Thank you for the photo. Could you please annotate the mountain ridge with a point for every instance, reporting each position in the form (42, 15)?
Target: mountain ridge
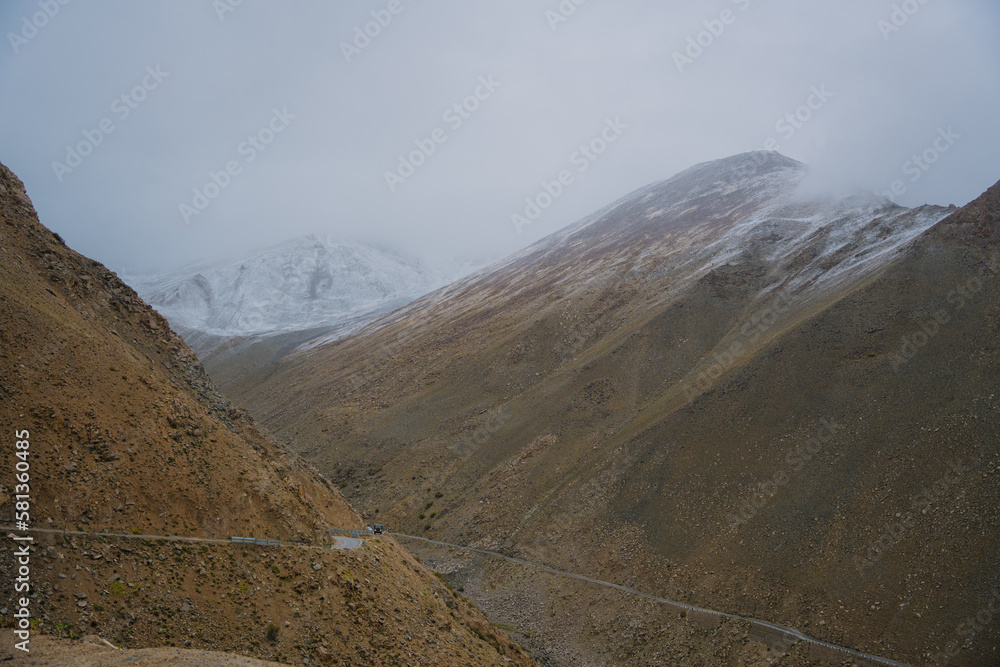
(129, 436)
(546, 399)
(894, 225)
(310, 282)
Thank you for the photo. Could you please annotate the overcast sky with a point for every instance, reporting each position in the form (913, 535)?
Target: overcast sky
(114, 112)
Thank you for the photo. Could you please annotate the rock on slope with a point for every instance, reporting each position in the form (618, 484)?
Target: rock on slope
(713, 390)
(128, 435)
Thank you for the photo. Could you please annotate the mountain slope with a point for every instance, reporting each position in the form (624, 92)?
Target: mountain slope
(128, 435)
(707, 374)
(300, 284)
(309, 283)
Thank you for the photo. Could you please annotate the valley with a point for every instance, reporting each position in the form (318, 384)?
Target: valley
(695, 392)
(141, 473)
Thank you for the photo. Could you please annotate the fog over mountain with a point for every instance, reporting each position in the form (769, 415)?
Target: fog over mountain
(299, 284)
(719, 389)
(570, 333)
(272, 121)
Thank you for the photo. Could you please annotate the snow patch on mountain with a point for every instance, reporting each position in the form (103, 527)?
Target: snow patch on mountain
(748, 208)
(300, 284)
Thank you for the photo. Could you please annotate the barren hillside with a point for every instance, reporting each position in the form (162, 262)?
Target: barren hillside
(129, 436)
(714, 391)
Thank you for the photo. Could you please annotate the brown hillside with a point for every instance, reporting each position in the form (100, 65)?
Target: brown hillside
(755, 436)
(128, 435)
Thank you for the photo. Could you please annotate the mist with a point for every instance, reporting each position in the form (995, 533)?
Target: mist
(154, 135)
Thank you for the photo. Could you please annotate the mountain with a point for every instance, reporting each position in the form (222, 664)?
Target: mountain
(716, 390)
(138, 473)
(303, 284)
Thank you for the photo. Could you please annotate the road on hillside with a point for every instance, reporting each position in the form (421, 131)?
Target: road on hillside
(787, 632)
(354, 543)
(348, 542)
(338, 542)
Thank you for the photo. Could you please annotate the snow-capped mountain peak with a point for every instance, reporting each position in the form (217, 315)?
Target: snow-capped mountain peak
(302, 283)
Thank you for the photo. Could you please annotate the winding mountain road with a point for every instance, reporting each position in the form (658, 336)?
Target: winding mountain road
(788, 634)
(339, 542)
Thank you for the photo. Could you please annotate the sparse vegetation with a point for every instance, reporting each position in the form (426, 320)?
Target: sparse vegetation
(64, 629)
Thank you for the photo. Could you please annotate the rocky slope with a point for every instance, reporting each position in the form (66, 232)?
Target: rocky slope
(713, 390)
(128, 435)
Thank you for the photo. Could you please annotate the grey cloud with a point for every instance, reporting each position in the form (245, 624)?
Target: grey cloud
(325, 172)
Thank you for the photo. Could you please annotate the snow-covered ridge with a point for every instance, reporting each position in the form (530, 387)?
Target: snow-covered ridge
(746, 209)
(300, 284)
